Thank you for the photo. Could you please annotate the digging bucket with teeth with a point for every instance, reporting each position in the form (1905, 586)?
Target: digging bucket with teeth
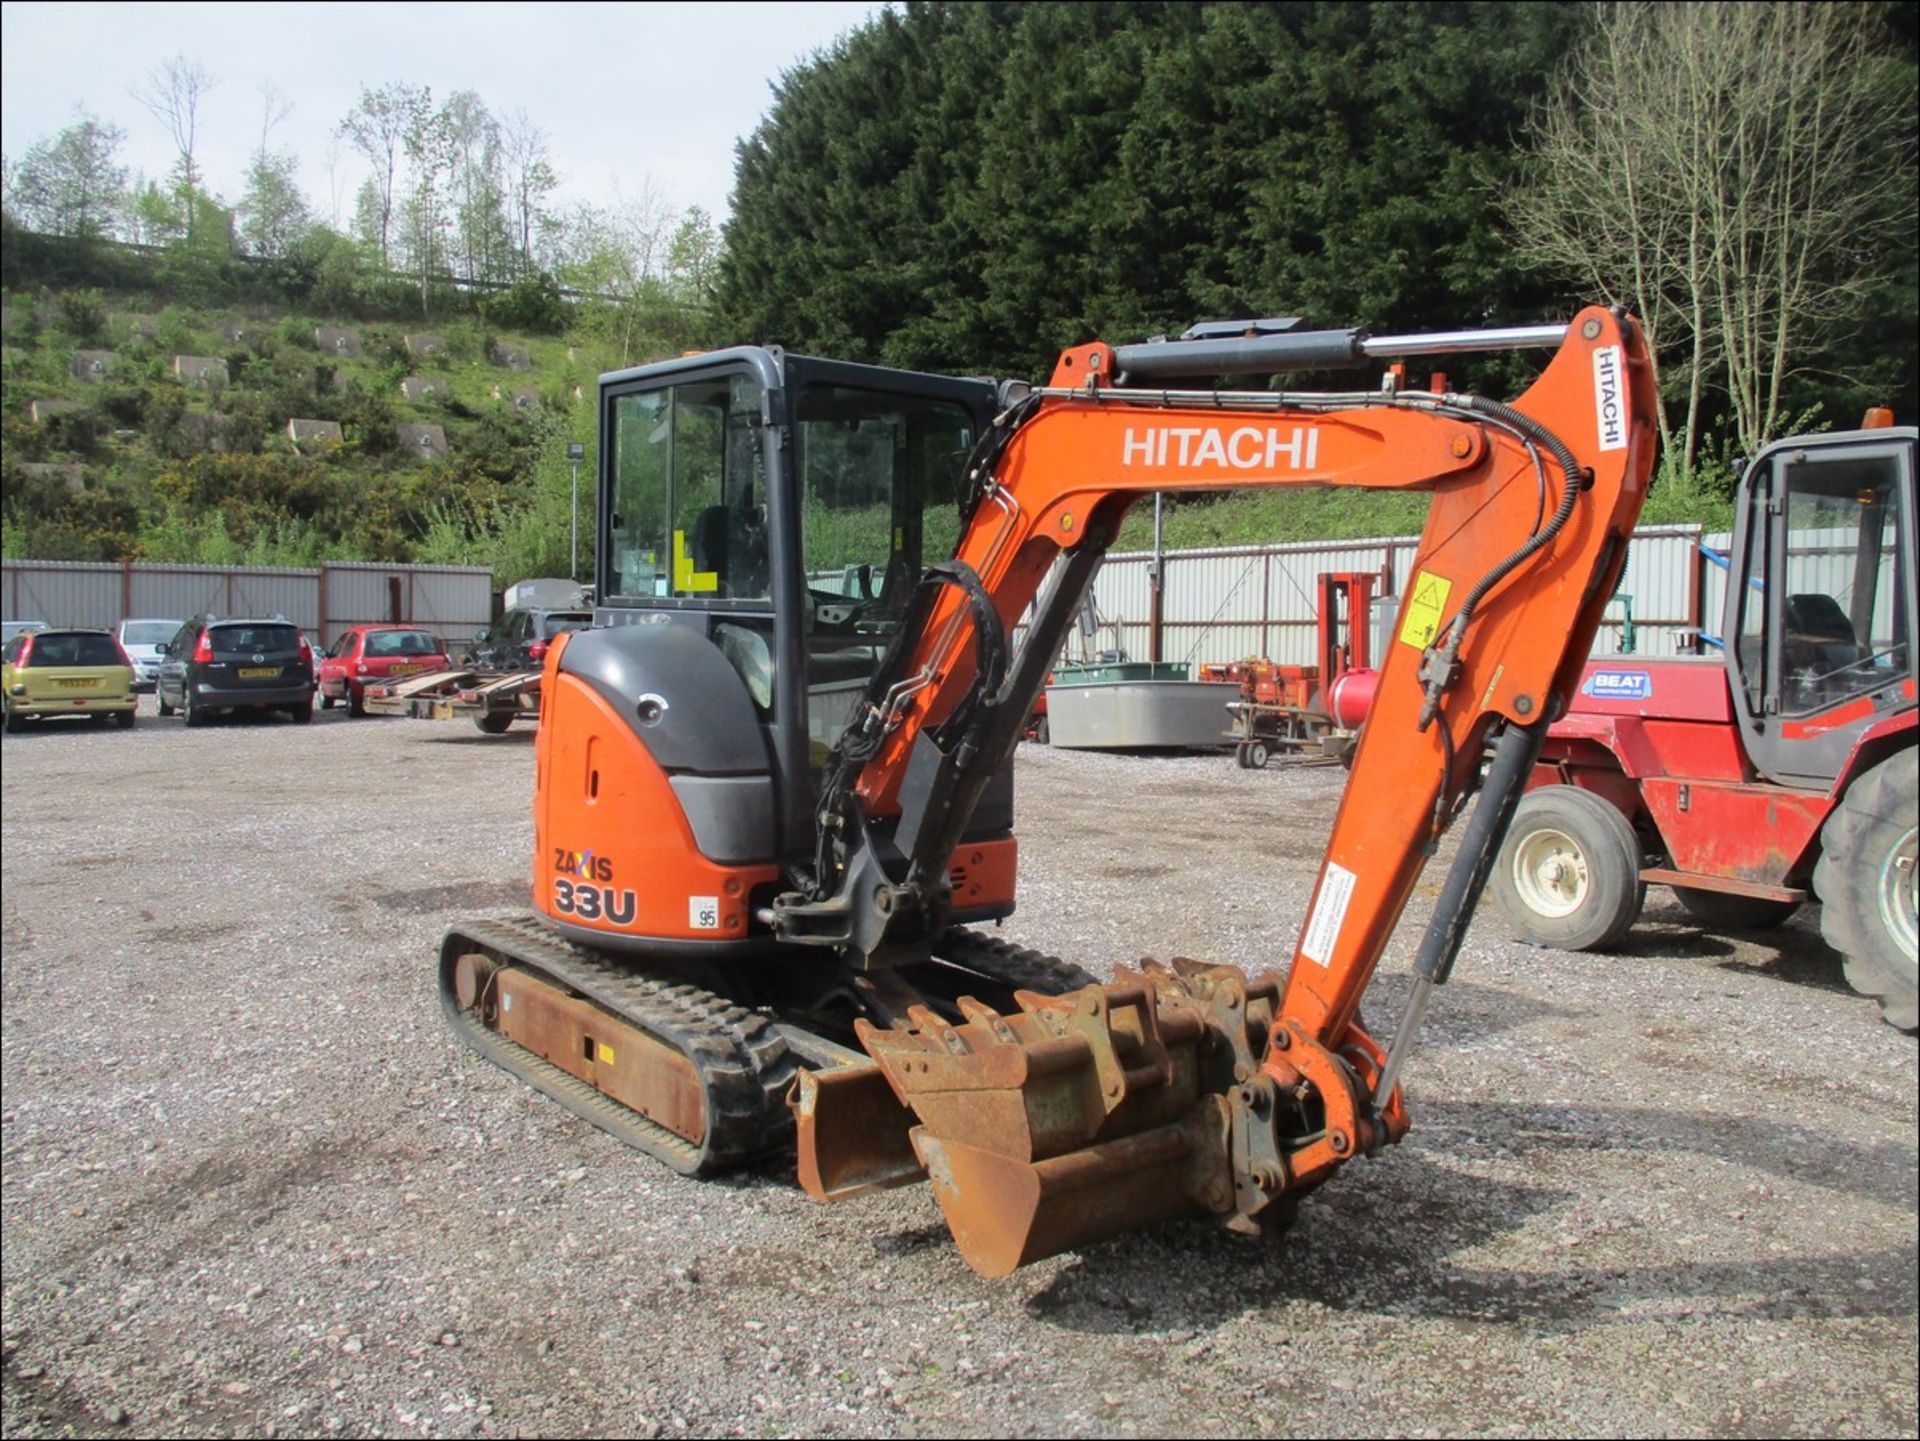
(1070, 1120)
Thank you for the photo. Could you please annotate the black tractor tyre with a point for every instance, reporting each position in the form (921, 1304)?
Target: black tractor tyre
(1724, 911)
(494, 723)
(1866, 882)
(1568, 875)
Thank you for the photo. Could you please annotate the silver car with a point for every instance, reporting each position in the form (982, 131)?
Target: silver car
(141, 640)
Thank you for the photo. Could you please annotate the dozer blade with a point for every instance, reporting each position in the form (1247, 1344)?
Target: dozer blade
(850, 1134)
(1075, 1119)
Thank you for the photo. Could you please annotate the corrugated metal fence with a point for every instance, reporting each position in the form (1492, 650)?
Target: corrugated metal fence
(452, 601)
(1216, 605)
(1224, 604)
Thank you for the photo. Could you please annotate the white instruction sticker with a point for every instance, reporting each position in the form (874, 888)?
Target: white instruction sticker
(703, 913)
(1610, 395)
(1329, 912)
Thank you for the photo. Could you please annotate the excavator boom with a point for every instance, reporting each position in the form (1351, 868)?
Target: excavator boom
(1195, 1088)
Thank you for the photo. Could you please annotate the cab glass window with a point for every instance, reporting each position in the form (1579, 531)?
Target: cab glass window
(1844, 625)
(879, 474)
(1750, 634)
(688, 515)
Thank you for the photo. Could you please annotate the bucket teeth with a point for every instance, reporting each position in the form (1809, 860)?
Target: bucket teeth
(1067, 1118)
(1071, 1119)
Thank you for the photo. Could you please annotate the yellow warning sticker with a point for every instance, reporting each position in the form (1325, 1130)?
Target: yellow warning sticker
(1425, 610)
(603, 1053)
(687, 580)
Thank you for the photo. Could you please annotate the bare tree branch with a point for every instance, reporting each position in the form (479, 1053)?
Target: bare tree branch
(172, 95)
(1718, 167)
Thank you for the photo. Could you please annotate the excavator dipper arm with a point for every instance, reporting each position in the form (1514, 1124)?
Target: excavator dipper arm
(1196, 1087)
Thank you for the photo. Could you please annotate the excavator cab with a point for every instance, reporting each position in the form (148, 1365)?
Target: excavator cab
(764, 518)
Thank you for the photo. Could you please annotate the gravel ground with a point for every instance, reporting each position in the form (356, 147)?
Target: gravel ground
(253, 1187)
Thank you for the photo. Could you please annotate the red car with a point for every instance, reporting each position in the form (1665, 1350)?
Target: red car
(375, 653)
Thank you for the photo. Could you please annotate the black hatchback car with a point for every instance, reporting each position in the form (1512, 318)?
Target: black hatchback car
(224, 665)
(521, 639)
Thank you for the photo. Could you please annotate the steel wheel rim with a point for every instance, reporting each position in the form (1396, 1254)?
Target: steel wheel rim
(1899, 890)
(1551, 874)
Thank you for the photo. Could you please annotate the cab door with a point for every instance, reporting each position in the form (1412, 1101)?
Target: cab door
(1821, 602)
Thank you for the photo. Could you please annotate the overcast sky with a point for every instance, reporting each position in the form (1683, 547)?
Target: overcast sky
(625, 92)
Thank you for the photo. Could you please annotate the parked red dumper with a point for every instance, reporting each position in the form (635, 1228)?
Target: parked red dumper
(1305, 708)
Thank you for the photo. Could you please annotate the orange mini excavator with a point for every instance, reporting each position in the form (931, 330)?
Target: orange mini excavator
(775, 778)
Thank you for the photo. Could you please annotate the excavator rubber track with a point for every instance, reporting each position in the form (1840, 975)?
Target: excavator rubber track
(742, 1064)
(1016, 967)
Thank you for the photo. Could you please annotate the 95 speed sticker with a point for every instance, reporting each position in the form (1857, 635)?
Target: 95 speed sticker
(703, 913)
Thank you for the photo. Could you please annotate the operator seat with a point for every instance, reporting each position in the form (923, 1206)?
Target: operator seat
(1818, 645)
(730, 542)
(707, 544)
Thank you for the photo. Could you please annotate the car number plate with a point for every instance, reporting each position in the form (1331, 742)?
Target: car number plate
(79, 684)
(405, 669)
(258, 672)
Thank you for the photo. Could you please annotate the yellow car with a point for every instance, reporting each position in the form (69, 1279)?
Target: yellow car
(65, 673)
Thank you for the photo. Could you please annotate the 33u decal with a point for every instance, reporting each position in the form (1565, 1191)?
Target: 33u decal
(593, 903)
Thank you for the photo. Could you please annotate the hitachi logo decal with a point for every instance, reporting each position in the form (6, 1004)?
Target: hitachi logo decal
(1248, 448)
(1610, 396)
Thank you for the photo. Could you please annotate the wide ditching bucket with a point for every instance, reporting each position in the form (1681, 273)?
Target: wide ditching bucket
(1069, 1121)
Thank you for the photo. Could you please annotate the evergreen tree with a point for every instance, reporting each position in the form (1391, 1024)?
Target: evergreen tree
(973, 187)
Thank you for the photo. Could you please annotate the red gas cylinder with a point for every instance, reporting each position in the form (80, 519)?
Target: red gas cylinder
(1352, 697)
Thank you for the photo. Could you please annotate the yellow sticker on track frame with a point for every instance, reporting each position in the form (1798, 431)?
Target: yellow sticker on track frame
(1426, 608)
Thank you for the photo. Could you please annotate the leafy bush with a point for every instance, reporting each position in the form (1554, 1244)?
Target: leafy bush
(367, 421)
(532, 303)
(76, 433)
(82, 316)
(297, 332)
(174, 331)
